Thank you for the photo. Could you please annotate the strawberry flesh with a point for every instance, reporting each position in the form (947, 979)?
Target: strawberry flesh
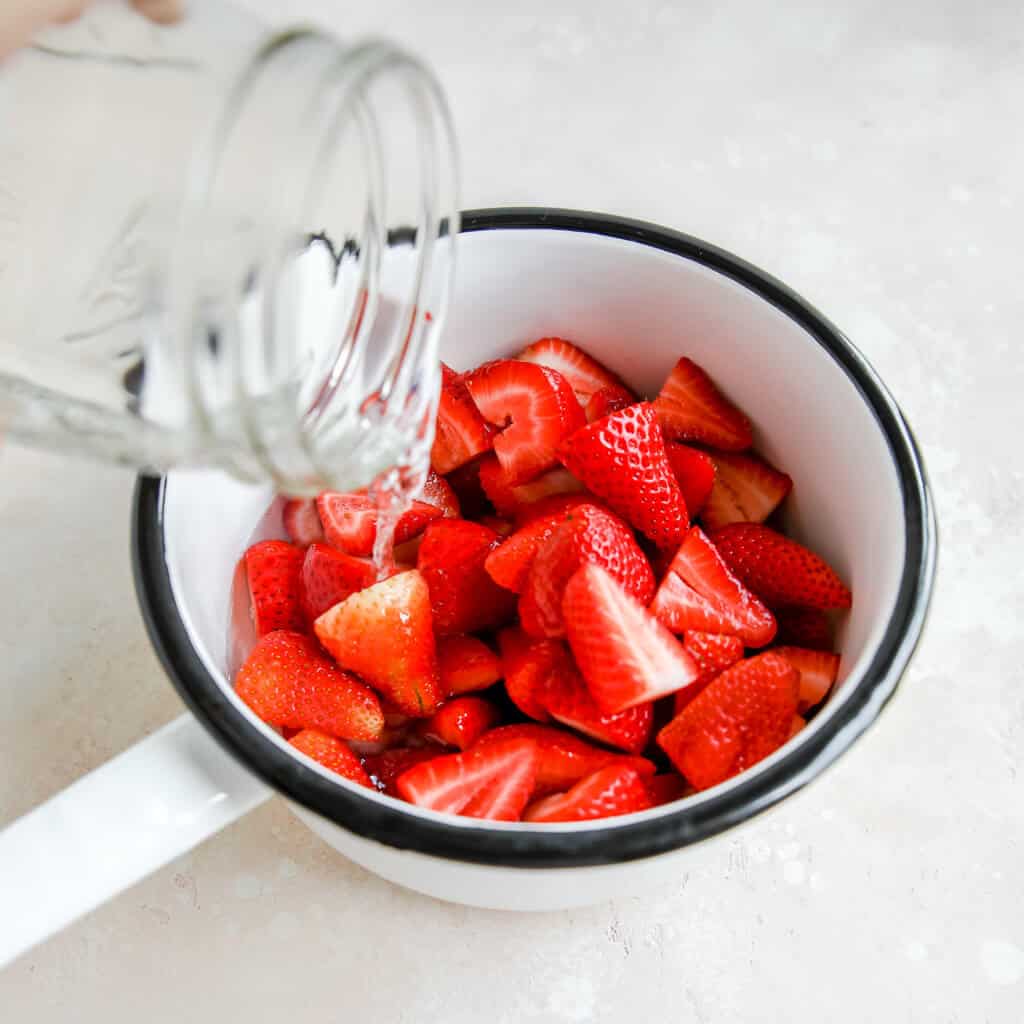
(333, 754)
(461, 433)
(746, 489)
(350, 521)
(691, 408)
(694, 472)
(586, 376)
(466, 664)
(818, 671)
(610, 791)
(302, 521)
(330, 576)
(439, 493)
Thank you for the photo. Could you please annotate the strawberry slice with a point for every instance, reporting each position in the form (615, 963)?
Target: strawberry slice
(610, 791)
(463, 596)
(461, 722)
(622, 459)
(584, 373)
(591, 535)
(818, 671)
(562, 758)
(804, 627)
(333, 754)
(747, 489)
(439, 493)
(666, 788)
(499, 491)
(534, 409)
(385, 767)
(625, 655)
(505, 798)
(699, 592)
(526, 664)
(449, 783)
(385, 634)
(287, 681)
(744, 715)
(350, 521)
(273, 569)
(302, 521)
(695, 473)
(713, 653)
(466, 664)
(462, 433)
(517, 502)
(779, 570)
(691, 408)
(608, 400)
(329, 576)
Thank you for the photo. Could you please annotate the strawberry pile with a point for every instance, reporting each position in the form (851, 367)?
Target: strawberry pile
(588, 615)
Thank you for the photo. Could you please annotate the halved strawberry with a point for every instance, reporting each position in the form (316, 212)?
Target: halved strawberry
(625, 655)
(384, 768)
(288, 681)
(747, 489)
(622, 459)
(804, 627)
(273, 569)
(610, 791)
(462, 432)
(526, 664)
(608, 400)
(818, 671)
(466, 664)
(463, 596)
(302, 522)
(517, 501)
(691, 408)
(329, 576)
(350, 521)
(439, 493)
(534, 409)
(666, 788)
(584, 373)
(701, 593)
(695, 473)
(385, 634)
(504, 798)
(460, 722)
(713, 653)
(779, 570)
(739, 719)
(450, 783)
(589, 535)
(333, 754)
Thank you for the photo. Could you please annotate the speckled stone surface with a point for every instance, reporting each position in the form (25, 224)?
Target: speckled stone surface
(870, 155)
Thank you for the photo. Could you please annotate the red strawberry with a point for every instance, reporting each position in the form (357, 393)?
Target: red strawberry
(384, 768)
(329, 576)
(497, 488)
(463, 596)
(553, 504)
(818, 671)
(504, 798)
(502, 527)
(667, 788)
(614, 790)
(439, 493)
(589, 535)
(713, 653)
(691, 408)
(350, 521)
(695, 473)
(450, 783)
(778, 570)
(518, 501)
(584, 373)
(606, 401)
(747, 489)
(466, 664)
(701, 593)
(385, 634)
(333, 754)
(622, 459)
(302, 521)
(526, 664)
(804, 627)
(533, 407)
(273, 569)
(460, 722)
(625, 655)
(288, 681)
(462, 432)
(562, 758)
(743, 716)
(798, 725)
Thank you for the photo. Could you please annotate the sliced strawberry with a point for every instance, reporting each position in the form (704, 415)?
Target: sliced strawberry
(302, 521)
(713, 653)
(465, 482)
(779, 570)
(350, 521)
(385, 767)
(608, 400)
(466, 664)
(517, 502)
(460, 722)
(701, 593)
(625, 655)
(622, 459)
(329, 576)
(589, 535)
(743, 716)
(499, 491)
(534, 409)
(450, 783)
(667, 788)
(273, 569)
(553, 504)
(332, 753)
(439, 493)
(288, 681)
(695, 473)
(462, 432)
(691, 408)
(818, 671)
(610, 791)
(505, 798)
(584, 373)
(385, 634)
(463, 596)
(747, 489)
(804, 627)
(526, 664)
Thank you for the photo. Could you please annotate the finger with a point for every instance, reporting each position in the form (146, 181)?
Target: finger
(19, 25)
(164, 12)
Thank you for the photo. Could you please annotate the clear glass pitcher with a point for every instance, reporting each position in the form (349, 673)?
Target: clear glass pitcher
(222, 246)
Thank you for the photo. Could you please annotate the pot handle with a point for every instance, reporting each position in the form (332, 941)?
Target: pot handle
(113, 827)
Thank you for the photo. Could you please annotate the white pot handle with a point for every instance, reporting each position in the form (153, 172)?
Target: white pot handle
(113, 827)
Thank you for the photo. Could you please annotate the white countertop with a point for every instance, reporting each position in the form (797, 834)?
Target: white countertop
(870, 156)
